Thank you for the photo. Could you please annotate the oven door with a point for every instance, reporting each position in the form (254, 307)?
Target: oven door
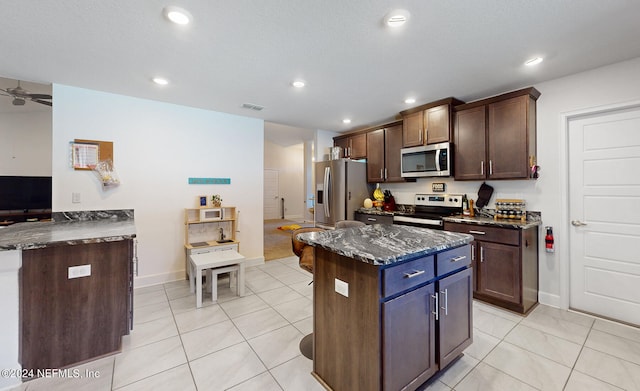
(418, 222)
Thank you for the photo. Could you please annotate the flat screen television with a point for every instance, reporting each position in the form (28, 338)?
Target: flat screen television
(25, 193)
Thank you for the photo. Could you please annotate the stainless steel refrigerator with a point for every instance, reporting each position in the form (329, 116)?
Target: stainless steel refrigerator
(341, 188)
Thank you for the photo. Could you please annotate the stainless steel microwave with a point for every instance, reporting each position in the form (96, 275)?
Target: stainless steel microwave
(426, 161)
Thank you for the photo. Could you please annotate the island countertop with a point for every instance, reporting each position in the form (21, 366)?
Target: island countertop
(77, 228)
(385, 244)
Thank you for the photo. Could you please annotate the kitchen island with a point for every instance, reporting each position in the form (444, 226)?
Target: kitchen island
(391, 305)
(67, 289)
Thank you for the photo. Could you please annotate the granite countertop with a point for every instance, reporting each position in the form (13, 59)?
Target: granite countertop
(505, 223)
(70, 228)
(385, 244)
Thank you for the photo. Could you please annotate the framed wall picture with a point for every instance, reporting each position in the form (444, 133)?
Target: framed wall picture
(202, 201)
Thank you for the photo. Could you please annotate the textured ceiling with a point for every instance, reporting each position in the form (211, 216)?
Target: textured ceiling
(247, 51)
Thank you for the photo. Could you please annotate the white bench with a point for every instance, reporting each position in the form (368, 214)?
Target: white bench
(215, 263)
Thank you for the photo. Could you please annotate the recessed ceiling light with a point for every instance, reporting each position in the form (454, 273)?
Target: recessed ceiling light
(298, 84)
(346, 121)
(177, 15)
(533, 61)
(396, 18)
(410, 100)
(160, 81)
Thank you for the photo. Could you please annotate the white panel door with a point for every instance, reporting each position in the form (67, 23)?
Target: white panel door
(604, 210)
(271, 195)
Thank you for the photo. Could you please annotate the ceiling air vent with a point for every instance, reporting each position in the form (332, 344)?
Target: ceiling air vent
(251, 106)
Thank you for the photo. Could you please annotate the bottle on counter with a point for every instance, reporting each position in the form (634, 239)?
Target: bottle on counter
(471, 211)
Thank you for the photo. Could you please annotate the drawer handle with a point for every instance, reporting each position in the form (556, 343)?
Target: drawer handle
(436, 309)
(477, 232)
(456, 259)
(414, 274)
(371, 219)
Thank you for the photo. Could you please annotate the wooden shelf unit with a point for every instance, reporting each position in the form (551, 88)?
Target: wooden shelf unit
(208, 231)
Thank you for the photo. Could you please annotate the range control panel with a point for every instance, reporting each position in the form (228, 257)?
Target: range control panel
(446, 200)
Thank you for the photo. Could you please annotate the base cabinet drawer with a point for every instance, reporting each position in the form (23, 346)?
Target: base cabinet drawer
(373, 219)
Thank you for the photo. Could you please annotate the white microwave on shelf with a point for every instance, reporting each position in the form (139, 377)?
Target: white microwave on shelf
(211, 214)
(426, 161)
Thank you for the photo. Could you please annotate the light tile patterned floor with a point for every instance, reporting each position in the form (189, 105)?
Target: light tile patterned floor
(251, 343)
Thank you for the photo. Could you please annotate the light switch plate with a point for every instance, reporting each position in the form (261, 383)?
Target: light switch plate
(79, 271)
(342, 287)
(75, 198)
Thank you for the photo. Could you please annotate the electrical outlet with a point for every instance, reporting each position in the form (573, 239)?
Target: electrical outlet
(79, 271)
(342, 287)
(75, 198)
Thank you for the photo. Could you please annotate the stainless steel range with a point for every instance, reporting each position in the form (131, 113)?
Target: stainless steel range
(430, 209)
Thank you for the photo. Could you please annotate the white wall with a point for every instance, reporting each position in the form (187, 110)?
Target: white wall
(617, 83)
(25, 143)
(289, 162)
(157, 147)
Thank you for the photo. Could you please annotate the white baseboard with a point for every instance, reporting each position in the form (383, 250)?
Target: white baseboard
(549, 299)
(163, 278)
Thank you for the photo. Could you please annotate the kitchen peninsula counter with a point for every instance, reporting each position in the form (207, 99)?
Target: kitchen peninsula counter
(377, 324)
(68, 289)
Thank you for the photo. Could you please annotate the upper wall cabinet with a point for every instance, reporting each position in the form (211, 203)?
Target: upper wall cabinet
(495, 138)
(354, 146)
(383, 154)
(428, 124)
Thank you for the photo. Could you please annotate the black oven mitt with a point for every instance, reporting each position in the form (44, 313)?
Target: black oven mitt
(484, 195)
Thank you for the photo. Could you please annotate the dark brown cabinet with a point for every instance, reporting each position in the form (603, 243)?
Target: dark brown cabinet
(495, 138)
(373, 218)
(428, 124)
(505, 264)
(354, 146)
(383, 154)
(67, 319)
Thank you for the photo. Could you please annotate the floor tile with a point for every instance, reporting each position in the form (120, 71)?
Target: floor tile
(226, 368)
(295, 375)
(243, 305)
(141, 299)
(528, 367)
(305, 325)
(501, 312)
(178, 378)
(482, 344)
(279, 295)
(151, 312)
(296, 310)
(304, 288)
(546, 345)
(568, 330)
(569, 316)
(262, 382)
(188, 303)
(264, 284)
(278, 346)
(294, 277)
(209, 339)
(149, 288)
(458, 370)
(610, 369)
(580, 382)
(621, 330)
(148, 360)
(434, 385)
(200, 317)
(491, 324)
(486, 378)
(178, 292)
(152, 331)
(259, 322)
(616, 346)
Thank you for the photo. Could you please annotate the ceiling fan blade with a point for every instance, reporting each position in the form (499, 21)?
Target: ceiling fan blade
(44, 102)
(40, 96)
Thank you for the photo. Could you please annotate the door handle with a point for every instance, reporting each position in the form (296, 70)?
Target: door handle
(446, 301)
(477, 232)
(481, 254)
(578, 223)
(435, 312)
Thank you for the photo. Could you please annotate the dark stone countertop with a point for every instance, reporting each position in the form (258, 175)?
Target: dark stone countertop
(504, 223)
(385, 244)
(70, 228)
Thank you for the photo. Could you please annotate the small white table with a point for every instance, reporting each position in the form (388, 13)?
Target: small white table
(215, 263)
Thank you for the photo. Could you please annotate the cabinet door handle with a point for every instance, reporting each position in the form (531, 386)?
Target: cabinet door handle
(490, 167)
(473, 252)
(381, 174)
(481, 254)
(482, 167)
(477, 232)
(446, 301)
(371, 219)
(415, 273)
(456, 259)
(385, 173)
(435, 312)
